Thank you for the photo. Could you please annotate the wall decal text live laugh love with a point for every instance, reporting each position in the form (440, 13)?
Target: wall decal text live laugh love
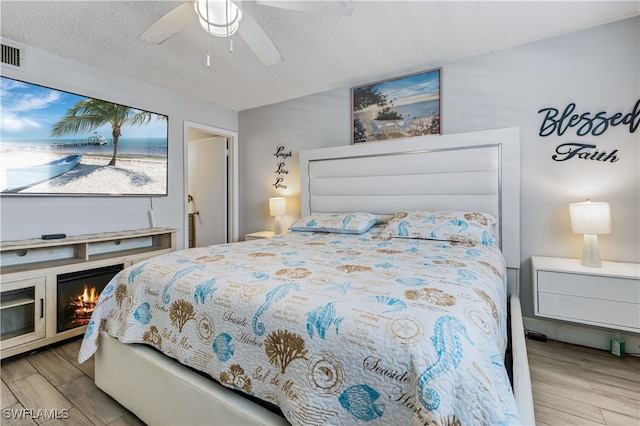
(281, 155)
(587, 123)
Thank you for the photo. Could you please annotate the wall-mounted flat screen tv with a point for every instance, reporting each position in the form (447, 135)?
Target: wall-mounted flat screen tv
(54, 142)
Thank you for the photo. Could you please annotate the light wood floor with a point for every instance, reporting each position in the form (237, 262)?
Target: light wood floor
(53, 379)
(572, 385)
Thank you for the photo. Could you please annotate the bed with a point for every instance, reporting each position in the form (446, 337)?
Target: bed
(387, 303)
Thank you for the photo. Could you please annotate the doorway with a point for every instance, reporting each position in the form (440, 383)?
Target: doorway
(210, 203)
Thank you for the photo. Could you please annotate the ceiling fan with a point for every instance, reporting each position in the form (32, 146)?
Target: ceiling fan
(222, 18)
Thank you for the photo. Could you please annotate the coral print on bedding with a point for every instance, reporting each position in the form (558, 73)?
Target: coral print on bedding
(333, 328)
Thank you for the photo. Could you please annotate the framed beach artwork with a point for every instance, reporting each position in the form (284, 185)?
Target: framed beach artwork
(402, 107)
(54, 142)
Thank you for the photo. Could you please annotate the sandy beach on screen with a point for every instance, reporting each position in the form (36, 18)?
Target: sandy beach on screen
(92, 176)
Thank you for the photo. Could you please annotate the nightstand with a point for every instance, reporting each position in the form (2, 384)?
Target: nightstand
(607, 297)
(258, 235)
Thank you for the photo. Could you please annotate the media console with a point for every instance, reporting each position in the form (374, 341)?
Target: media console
(49, 286)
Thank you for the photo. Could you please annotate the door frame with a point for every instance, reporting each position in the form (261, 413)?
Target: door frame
(233, 228)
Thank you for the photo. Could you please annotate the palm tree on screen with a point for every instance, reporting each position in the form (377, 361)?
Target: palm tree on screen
(90, 114)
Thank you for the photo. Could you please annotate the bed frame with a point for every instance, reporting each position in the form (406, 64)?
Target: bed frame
(470, 171)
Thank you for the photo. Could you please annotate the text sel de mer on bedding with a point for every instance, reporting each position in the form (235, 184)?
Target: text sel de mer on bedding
(567, 151)
(586, 123)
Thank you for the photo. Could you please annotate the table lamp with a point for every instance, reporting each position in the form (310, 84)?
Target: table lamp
(590, 218)
(278, 208)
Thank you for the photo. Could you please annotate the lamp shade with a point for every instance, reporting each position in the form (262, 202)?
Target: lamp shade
(590, 217)
(277, 206)
(220, 18)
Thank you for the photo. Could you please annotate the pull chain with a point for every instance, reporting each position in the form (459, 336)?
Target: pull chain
(208, 37)
(227, 19)
(227, 5)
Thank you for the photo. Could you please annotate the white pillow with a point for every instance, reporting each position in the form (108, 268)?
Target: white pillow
(341, 223)
(466, 227)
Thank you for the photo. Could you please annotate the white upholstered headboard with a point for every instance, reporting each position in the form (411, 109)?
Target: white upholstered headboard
(477, 171)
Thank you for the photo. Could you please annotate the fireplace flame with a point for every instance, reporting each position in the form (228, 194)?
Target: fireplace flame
(89, 296)
(84, 304)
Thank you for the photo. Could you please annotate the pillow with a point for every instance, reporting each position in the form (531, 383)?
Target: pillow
(465, 227)
(341, 223)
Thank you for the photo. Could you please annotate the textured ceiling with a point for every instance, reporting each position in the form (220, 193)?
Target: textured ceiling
(380, 40)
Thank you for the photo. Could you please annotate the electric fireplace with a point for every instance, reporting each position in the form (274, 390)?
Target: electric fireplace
(77, 295)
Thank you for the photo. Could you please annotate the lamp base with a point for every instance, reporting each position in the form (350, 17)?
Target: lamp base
(278, 226)
(590, 251)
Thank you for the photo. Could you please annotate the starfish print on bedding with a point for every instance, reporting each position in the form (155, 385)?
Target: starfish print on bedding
(342, 287)
(237, 266)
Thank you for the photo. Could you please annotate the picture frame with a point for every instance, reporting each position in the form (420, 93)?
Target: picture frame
(401, 107)
(58, 143)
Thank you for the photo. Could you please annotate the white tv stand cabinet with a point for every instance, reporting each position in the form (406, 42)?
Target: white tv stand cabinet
(29, 271)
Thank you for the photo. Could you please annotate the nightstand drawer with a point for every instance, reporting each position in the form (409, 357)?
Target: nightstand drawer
(607, 297)
(590, 286)
(605, 313)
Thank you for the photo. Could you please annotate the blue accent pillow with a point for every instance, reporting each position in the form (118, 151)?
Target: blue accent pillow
(340, 223)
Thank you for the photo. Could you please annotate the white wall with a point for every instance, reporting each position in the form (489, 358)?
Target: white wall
(30, 217)
(598, 69)
(310, 122)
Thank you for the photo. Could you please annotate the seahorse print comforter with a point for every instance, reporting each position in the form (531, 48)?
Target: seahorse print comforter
(334, 329)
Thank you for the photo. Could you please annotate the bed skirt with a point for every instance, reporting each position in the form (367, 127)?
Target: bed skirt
(159, 391)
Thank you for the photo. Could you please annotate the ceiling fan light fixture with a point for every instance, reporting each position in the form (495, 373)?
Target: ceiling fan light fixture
(219, 18)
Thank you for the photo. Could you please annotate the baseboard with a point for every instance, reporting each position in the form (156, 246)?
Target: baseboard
(582, 335)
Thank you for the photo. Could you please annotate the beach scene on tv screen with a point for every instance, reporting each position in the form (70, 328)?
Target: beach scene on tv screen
(58, 143)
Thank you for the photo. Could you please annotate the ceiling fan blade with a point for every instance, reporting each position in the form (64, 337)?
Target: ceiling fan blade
(169, 24)
(328, 7)
(258, 41)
